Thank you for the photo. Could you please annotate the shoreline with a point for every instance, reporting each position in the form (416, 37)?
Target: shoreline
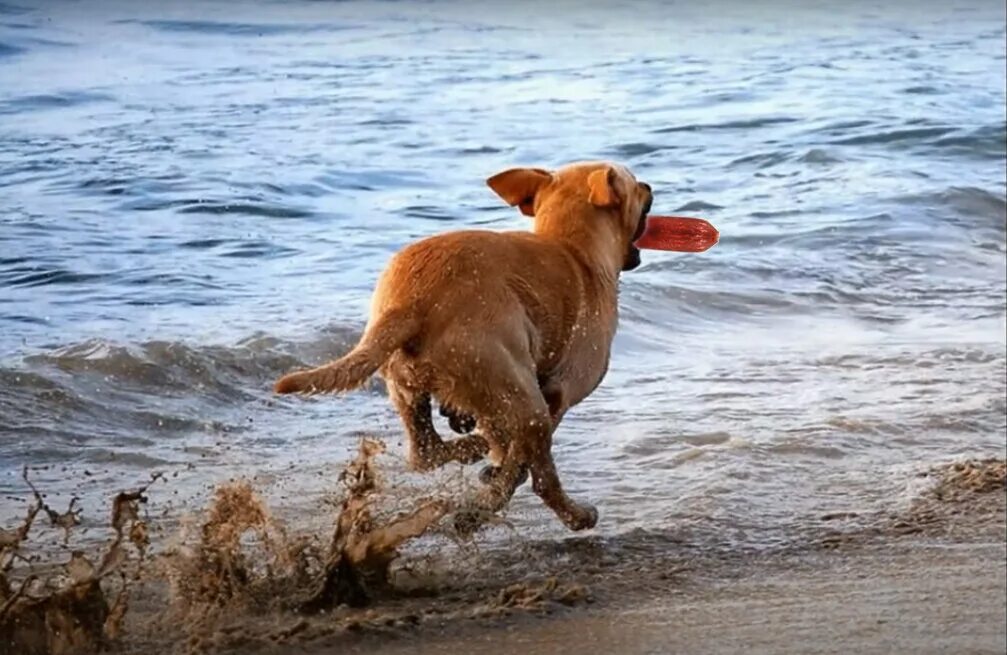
(930, 578)
(917, 595)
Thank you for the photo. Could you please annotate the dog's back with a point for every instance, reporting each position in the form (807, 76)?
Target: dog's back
(508, 330)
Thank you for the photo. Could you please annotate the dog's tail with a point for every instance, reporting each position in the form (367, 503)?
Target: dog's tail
(382, 338)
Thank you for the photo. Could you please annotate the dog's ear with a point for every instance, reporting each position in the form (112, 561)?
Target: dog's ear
(601, 188)
(518, 186)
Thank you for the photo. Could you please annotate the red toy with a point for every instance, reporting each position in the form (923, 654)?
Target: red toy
(677, 233)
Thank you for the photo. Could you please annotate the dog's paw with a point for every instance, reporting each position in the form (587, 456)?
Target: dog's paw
(468, 521)
(488, 475)
(582, 517)
(462, 424)
(459, 422)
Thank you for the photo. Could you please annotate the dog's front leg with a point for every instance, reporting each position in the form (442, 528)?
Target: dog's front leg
(545, 479)
(528, 438)
(545, 482)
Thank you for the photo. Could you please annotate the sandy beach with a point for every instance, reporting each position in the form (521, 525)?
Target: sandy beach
(915, 595)
(797, 445)
(926, 578)
(932, 581)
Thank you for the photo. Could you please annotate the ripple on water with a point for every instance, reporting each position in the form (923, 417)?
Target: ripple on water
(52, 101)
(55, 276)
(746, 124)
(429, 212)
(819, 156)
(911, 136)
(242, 208)
(986, 142)
(637, 149)
(7, 50)
(237, 29)
(697, 206)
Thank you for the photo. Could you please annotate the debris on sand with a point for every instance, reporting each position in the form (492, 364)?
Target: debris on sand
(540, 597)
(964, 487)
(960, 480)
(69, 610)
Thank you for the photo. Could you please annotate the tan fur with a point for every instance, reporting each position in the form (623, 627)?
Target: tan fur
(382, 338)
(510, 328)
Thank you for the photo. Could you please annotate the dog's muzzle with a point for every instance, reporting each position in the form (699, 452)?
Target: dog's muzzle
(633, 253)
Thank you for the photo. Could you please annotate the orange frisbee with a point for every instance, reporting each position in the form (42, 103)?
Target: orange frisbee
(678, 234)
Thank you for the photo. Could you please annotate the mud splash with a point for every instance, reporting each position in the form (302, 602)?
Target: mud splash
(361, 550)
(242, 563)
(75, 607)
(245, 560)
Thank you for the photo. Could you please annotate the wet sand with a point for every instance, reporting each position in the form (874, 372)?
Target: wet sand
(928, 580)
(924, 576)
(911, 596)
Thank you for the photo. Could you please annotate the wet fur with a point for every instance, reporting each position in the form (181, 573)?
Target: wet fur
(505, 330)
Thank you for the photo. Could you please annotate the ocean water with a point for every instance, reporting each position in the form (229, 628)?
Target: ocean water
(197, 197)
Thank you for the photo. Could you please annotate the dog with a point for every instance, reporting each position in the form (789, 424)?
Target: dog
(505, 330)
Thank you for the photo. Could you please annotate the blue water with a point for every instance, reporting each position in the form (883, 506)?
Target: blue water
(197, 197)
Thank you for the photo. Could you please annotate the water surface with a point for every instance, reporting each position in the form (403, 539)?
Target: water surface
(195, 198)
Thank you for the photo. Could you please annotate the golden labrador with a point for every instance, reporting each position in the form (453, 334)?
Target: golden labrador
(506, 330)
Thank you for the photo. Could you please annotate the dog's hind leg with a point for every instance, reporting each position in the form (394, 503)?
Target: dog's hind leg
(427, 450)
(501, 481)
(524, 433)
(519, 423)
(557, 408)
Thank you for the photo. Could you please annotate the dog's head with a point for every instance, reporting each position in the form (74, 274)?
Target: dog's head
(600, 202)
